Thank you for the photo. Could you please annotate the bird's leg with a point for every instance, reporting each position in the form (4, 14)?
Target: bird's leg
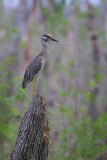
(34, 89)
(34, 86)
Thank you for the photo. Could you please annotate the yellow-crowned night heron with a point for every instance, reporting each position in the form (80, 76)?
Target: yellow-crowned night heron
(37, 63)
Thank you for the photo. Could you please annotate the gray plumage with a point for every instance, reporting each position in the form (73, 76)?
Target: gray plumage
(37, 63)
(32, 70)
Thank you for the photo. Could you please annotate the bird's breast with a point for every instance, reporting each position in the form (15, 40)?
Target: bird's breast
(43, 61)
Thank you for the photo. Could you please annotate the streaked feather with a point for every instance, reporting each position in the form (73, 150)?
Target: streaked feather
(32, 70)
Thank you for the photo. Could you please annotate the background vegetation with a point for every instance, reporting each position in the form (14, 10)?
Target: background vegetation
(74, 80)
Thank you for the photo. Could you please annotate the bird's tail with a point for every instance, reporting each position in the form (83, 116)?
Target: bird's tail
(24, 84)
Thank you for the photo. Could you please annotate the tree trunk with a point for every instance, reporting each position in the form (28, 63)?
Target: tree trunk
(32, 141)
(92, 107)
(29, 35)
(105, 68)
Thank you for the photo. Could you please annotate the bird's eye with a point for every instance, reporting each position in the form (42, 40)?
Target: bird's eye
(45, 39)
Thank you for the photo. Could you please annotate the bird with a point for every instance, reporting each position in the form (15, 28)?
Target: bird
(37, 63)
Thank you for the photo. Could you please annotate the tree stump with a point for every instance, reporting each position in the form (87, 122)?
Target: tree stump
(32, 140)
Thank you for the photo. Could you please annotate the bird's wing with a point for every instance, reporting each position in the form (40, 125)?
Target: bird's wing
(32, 69)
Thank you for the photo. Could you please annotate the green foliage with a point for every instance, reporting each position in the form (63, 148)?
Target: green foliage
(13, 29)
(88, 97)
(71, 62)
(79, 138)
(23, 44)
(91, 83)
(10, 92)
(60, 65)
(83, 139)
(55, 16)
(98, 77)
(63, 93)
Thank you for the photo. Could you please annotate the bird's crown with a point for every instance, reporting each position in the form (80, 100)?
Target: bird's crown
(47, 37)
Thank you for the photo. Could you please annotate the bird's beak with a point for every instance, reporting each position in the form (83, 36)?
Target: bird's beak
(53, 39)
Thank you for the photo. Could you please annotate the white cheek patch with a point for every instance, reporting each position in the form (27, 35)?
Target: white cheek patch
(45, 38)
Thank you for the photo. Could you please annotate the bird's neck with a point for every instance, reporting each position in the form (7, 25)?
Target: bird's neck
(44, 49)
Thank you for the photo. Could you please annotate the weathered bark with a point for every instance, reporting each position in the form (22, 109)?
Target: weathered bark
(32, 140)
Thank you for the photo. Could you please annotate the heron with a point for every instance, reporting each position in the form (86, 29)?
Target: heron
(37, 63)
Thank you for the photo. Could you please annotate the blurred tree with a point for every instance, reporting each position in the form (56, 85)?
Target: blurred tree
(75, 76)
(105, 68)
(24, 12)
(92, 107)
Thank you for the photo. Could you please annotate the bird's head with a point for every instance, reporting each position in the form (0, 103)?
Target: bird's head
(46, 38)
